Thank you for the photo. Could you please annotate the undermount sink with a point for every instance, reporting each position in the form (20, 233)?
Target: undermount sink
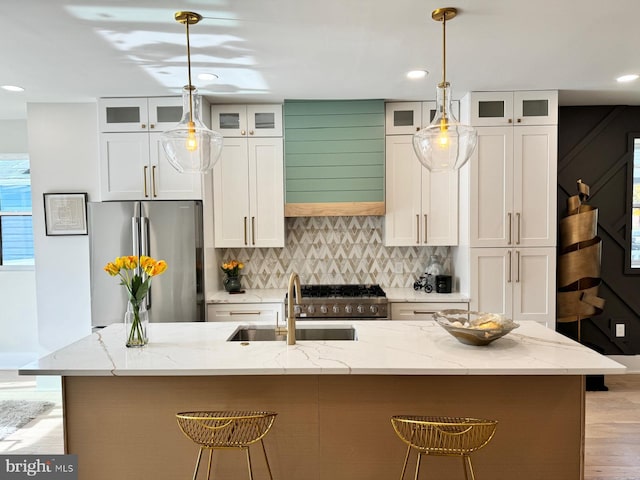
(269, 334)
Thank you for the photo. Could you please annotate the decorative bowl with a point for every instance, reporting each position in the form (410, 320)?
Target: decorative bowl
(474, 328)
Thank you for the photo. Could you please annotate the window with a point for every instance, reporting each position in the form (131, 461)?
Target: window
(16, 228)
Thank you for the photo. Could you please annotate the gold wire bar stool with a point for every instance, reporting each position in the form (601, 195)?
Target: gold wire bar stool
(224, 430)
(445, 436)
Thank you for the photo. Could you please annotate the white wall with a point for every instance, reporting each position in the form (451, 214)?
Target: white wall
(13, 136)
(18, 325)
(63, 148)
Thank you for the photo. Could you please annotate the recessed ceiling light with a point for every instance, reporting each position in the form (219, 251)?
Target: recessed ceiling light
(627, 78)
(416, 74)
(207, 76)
(12, 88)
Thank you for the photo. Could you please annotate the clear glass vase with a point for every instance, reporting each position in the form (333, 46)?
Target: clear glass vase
(136, 324)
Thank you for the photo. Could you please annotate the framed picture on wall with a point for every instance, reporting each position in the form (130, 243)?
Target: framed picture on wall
(65, 213)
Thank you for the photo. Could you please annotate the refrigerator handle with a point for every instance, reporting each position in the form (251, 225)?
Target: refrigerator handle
(144, 250)
(135, 235)
(144, 236)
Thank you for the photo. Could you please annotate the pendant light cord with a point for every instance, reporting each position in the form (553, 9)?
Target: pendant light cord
(189, 69)
(444, 49)
(445, 121)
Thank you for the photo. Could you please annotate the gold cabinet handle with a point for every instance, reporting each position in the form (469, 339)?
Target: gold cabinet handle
(245, 230)
(245, 313)
(425, 228)
(509, 267)
(517, 266)
(417, 228)
(143, 126)
(519, 120)
(146, 194)
(518, 228)
(153, 181)
(153, 125)
(509, 229)
(243, 132)
(253, 230)
(510, 120)
(250, 132)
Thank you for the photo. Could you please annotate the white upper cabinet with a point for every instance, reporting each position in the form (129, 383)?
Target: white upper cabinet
(429, 111)
(513, 108)
(133, 165)
(139, 114)
(514, 187)
(421, 206)
(406, 118)
(247, 120)
(248, 180)
(248, 194)
(403, 118)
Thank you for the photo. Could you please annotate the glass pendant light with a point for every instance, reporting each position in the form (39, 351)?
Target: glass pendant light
(445, 144)
(190, 146)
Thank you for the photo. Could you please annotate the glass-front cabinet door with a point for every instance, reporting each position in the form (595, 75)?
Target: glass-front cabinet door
(491, 108)
(164, 112)
(429, 111)
(403, 118)
(264, 120)
(123, 114)
(229, 120)
(535, 108)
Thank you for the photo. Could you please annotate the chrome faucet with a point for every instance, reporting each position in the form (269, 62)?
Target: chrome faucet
(294, 284)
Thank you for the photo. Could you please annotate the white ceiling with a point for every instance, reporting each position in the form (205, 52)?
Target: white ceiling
(269, 50)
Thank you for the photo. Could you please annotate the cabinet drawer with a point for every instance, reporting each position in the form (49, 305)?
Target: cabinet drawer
(422, 310)
(245, 312)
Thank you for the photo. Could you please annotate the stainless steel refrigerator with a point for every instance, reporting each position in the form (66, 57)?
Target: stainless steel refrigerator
(164, 230)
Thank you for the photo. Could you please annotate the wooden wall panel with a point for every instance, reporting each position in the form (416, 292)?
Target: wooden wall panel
(593, 146)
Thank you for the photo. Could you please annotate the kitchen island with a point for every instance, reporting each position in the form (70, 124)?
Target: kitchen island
(334, 399)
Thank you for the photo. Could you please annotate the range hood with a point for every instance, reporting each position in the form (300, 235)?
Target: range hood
(334, 157)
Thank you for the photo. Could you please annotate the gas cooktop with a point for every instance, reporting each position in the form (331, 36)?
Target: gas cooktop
(361, 301)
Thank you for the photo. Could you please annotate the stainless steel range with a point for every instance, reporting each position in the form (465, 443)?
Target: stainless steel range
(362, 302)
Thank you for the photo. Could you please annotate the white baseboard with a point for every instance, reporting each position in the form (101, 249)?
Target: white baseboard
(632, 362)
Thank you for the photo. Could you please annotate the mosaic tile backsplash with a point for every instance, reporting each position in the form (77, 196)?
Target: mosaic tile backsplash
(326, 250)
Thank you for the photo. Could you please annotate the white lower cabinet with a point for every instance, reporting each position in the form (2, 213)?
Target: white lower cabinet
(516, 282)
(268, 313)
(422, 310)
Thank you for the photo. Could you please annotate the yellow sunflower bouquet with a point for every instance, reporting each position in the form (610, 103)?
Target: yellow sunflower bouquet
(135, 274)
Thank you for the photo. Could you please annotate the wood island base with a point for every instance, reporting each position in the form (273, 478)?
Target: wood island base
(329, 427)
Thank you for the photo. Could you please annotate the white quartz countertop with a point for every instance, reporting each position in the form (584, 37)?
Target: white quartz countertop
(255, 295)
(411, 295)
(381, 348)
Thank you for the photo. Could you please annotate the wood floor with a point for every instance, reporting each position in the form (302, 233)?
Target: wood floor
(612, 443)
(612, 426)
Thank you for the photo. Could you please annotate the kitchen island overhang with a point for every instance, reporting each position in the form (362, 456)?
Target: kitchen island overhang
(334, 398)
